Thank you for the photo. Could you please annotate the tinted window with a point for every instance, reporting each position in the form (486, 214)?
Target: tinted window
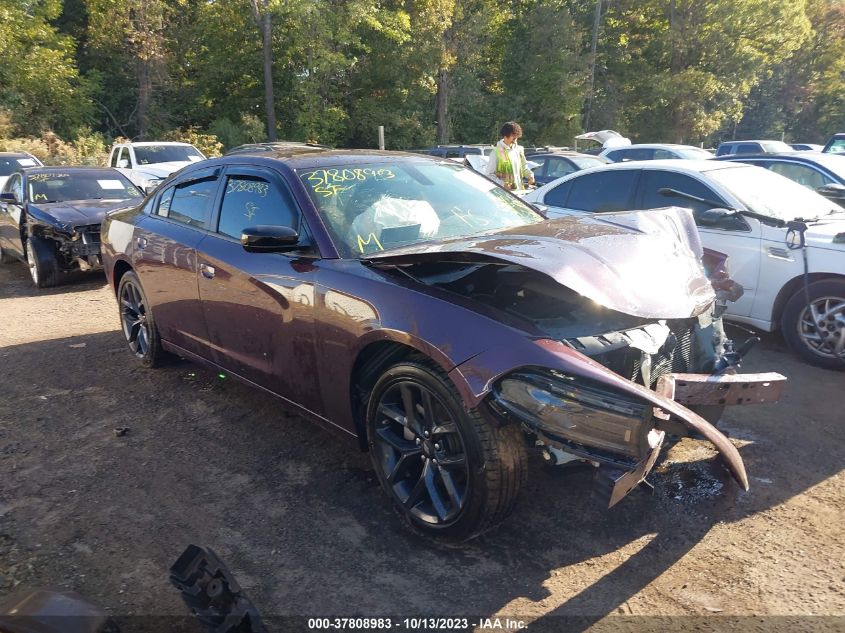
(250, 201)
(603, 191)
(15, 185)
(801, 174)
(660, 154)
(189, 203)
(615, 155)
(453, 153)
(638, 153)
(725, 149)
(9, 166)
(653, 180)
(540, 160)
(559, 167)
(748, 148)
(557, 196)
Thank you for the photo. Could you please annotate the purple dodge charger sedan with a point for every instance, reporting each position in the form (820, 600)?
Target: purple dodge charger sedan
(434, 318)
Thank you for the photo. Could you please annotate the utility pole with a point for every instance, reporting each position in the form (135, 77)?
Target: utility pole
(588, 109)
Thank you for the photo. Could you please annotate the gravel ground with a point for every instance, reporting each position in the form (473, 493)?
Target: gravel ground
(298, 516)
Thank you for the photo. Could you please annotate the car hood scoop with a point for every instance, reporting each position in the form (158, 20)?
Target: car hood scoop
(646, 263)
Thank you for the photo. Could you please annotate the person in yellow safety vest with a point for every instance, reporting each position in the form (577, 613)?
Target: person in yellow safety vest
(506, 164)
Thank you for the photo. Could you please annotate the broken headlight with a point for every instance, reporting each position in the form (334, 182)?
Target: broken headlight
(579, 411)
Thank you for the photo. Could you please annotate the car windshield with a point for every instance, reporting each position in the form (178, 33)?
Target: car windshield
(773, 195)
(774, 147)
(834, 164)
(585, 162)
(10, 164)
(58, 186)
(837, 146)
(374, 207)
(692, 153)
(151, 154)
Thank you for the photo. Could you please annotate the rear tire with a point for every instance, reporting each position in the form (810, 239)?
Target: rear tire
(817, 333)
(42, 261)
(137, 322)
(450, 473)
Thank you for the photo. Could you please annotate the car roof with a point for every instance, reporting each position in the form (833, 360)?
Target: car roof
(655, 146)
(672, 164)
(831, 161)
(16, 154)
(563, 152)
(147, 143)
(76, 169)
(311, 157)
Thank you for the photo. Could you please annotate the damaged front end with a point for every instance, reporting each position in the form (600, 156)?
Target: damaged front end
(77, 247)
(580, 419)
(623, 315)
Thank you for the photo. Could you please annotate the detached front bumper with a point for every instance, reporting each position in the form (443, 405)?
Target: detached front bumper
(623, 430)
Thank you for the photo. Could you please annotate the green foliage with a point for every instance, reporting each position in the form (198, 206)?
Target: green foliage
(86, 149)
(666, 70)
(208, 144)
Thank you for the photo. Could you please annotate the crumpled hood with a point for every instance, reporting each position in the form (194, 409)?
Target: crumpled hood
(646, 264)
(69, 214)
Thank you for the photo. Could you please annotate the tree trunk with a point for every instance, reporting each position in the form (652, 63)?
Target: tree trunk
(265, 27)
(145, 90)
(269, 100)
(442, 106)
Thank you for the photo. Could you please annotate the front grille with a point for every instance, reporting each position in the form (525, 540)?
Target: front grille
(676, 356)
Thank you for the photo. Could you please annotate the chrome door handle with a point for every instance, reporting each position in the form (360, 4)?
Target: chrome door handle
(207, 271)
(141, 242)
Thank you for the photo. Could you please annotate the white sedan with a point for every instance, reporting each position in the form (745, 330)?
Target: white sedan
(742, 211)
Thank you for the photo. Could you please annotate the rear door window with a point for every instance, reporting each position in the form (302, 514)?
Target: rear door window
(801, 174)
(748, 148)
(558, 196)
(604, 191)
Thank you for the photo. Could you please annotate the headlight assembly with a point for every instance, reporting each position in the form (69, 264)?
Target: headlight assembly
(578, 411)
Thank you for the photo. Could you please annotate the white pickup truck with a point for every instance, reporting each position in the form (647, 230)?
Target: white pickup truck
(146, 164)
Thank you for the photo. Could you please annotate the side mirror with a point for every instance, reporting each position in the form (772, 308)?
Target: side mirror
(123, 163)
(8, 196)
(713, 217)
(269, 239)
(833, 190)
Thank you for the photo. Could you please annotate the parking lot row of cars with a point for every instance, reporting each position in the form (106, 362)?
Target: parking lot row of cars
(445, 324)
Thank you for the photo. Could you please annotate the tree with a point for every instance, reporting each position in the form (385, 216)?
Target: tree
(40, 82)
(262, 14)
(138, 31)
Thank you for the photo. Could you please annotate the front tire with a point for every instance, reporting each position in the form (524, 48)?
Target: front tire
(816, 332)
(42, 262)
(449, 472)
(136, 320)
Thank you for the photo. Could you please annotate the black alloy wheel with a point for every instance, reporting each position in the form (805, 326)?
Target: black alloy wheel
(449, 472)
(137, 321)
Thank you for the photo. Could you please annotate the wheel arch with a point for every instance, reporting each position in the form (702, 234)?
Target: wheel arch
(371, 361)
(793, 286)
(120, 268)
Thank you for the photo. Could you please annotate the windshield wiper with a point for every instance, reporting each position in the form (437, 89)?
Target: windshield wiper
(765, 219)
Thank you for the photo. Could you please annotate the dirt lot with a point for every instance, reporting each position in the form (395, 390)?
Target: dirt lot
(299, 518)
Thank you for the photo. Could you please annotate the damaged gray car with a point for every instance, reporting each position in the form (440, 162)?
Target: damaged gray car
(50, 218)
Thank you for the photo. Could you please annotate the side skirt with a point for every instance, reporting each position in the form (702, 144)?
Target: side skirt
(298, 409)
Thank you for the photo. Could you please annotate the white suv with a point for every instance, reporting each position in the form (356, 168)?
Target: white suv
(147, 164)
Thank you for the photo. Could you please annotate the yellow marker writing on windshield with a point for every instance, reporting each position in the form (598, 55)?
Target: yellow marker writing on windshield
(370, 238)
